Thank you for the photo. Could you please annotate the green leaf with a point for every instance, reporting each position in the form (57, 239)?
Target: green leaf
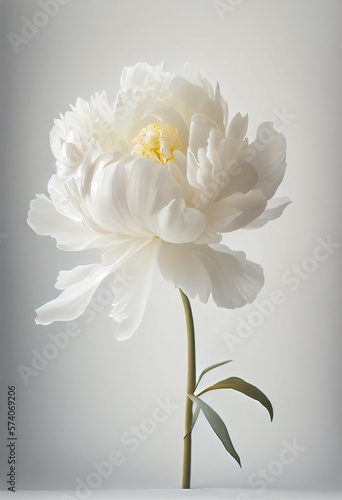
(194, 419)
(240, 385)
(211, 367)
(217, 425)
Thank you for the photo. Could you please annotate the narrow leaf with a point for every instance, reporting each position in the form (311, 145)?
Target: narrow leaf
(211, 367)
(217, 425)
(238, 384)
(194, 419)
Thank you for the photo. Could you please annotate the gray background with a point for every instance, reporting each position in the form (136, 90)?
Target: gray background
(267, 55)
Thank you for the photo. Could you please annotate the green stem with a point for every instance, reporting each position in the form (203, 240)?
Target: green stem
(191, 384)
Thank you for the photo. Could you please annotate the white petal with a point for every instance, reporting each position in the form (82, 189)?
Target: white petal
(69, 160)
(200, 129)
(194, 99)
(200, 270)
(179, 224)
(177, 168)
(71, 235)
(238, 127)
(141, 77)
(158, 111)
(80, 283)
(86, 121)
(57, 133)
(234, 141)
(182, 265)
(73, 301)
(65, 204)
(94, 162)
(209, 239)
(123, 249)
(150, 187)
(275, 208)
(242, 177)
(235, 211)
(131, 290)
(267, 155)
(69, 278)
(106, 204)
(205, 170)
(191, 73)
(222, 103)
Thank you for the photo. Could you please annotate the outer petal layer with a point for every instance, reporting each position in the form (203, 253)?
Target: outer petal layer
(267, 155)
(73, 301)
(132, 285)
(44, 219)
(275, 208)
(202, 270)
(80, 283)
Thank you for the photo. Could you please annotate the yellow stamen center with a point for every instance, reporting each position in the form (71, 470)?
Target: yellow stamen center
(156, 141)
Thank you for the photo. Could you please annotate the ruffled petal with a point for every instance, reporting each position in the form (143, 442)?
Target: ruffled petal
(73, 301)
(189, 98)
(80, 283)
(267, 154)
(65, 201)
(205, 171)
(238, 127)
(131, 289)
(182, 265)
(275, 208)
(66, 279)
(235, 211)
(201, 270)
(70, 235)
(234, 141)
(86, 121)
(193, 75)
(141, 77)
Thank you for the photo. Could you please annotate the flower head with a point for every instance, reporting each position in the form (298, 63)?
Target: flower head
(167, 176)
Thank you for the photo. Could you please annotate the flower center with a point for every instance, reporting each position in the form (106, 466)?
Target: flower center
(156, 141)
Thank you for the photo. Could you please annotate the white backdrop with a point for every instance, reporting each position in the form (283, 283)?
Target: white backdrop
(275, 59)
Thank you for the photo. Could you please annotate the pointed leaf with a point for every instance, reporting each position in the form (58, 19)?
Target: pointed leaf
(217, 425)
(211, 367)
(238, 384)
(194, 419)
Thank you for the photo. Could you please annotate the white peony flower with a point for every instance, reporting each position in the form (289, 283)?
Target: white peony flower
(166, 181)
